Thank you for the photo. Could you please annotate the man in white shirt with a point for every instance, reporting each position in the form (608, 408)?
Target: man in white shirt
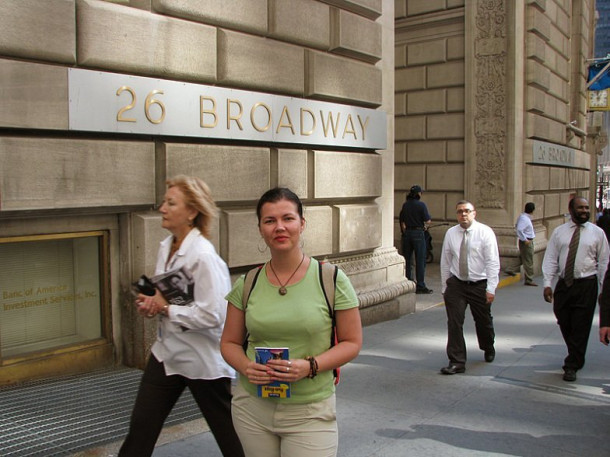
(470, 265)
(578, 277)
(526, 235)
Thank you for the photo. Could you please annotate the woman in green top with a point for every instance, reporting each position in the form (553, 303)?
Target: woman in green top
(287, 308)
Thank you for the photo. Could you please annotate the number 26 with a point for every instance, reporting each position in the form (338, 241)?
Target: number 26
(150, 101)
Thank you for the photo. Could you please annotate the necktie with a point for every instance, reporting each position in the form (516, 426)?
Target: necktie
(568, 275)
(464, 257)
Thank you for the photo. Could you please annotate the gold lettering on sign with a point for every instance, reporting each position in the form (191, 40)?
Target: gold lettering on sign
(281, 124)
(313, 121)
(130, 106)
(351, 130)
(364, 126)
(234, 118)
(150, 101)
(269, 118)
(203, 112)
(209, 116)
(331, 123)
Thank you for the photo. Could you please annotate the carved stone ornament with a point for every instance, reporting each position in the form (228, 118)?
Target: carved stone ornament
(490, 104)
(364, 265)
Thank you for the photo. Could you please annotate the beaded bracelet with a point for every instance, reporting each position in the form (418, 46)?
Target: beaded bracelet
(313, 367)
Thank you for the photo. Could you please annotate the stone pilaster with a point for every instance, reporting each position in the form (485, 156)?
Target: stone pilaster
(494, 94)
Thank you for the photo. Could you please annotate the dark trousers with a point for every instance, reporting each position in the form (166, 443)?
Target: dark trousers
(157, 395)
(574, 308)
(458, 295)
(414, 242)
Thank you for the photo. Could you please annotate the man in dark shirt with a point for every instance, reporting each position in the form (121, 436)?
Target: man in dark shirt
(414, 218)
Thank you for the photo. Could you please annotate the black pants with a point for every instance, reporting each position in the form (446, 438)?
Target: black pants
(458, 295)
(157, 395)
(574, 308)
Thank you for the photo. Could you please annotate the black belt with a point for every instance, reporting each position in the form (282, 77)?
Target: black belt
(414, 228)
(471, 283)
(586, 278)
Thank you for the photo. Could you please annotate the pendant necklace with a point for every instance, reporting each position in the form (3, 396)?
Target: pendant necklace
(282, 290)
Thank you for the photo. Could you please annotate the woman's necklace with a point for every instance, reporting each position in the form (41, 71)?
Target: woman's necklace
(282, 290)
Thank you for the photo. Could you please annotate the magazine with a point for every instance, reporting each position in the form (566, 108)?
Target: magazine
(176, 286)
(275, 389)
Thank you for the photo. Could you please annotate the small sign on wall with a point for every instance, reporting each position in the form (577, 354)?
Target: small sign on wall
(553, 154)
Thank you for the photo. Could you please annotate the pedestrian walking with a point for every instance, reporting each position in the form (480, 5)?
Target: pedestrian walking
(576, 259)
(470, 267)
(604, 222)
(186, 352)
(414, 218)
(525, 234)
(604, 310)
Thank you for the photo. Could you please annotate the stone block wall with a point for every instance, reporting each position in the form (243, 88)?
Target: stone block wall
(430, 82)
(331, 50)
(557, 43)
(476, 84)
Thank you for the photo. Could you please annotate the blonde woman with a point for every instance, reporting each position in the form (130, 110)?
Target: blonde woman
(186, 353)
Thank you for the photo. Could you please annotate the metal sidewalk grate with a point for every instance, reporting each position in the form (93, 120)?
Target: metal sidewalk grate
(54, 418)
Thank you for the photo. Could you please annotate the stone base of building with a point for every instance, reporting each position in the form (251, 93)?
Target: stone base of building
(379, 279)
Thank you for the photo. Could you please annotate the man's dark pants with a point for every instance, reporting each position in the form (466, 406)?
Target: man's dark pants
(458, 295)
(574, 308)
(414, 242)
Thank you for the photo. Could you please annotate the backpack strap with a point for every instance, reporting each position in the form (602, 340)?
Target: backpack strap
(328, 279)
(249, 283)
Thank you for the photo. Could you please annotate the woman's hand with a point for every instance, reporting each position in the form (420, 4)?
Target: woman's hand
(258, 374)
(287, 370)
(150, 306)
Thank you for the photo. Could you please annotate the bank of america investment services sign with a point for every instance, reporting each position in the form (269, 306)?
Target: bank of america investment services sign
(110, 102)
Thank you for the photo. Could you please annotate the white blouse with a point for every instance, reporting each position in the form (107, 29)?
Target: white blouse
(188, 340)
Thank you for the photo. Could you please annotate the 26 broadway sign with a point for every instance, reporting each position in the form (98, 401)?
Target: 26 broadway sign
(110, 102)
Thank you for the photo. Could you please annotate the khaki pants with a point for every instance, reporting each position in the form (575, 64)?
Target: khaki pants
(269, 429)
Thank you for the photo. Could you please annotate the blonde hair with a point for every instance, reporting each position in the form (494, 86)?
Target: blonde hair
(197, 195)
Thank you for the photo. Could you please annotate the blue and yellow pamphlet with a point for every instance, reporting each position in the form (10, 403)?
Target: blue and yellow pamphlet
(275, 389)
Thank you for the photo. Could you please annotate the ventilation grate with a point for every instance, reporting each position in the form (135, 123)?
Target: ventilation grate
(58, 417)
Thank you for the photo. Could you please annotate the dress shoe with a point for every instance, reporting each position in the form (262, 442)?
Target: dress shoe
(490, 355)
(424, 291)
(453, 369)
(530, 284)
(569, 375)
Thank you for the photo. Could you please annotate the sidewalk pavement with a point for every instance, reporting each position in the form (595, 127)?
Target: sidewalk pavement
(393, 402)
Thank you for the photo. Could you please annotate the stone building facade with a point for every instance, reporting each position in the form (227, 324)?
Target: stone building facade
(491, 106)
(77, 205)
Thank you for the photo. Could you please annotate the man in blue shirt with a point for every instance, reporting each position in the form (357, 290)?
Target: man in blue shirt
(526, 234)
(414, 218)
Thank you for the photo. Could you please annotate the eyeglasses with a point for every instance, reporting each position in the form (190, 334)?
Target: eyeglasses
(464, 211)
